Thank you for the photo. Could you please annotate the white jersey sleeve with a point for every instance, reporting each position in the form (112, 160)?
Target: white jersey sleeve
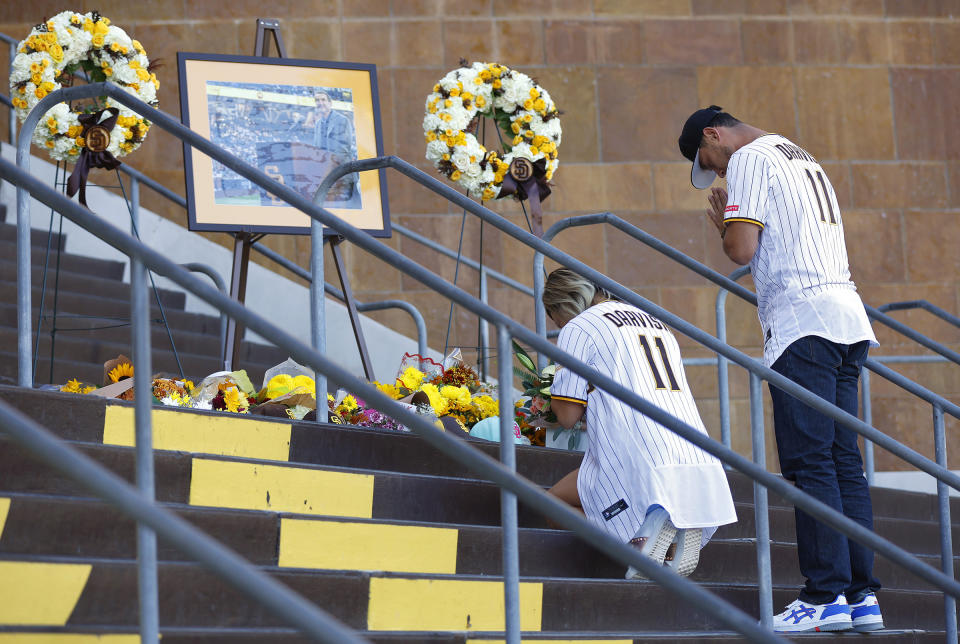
(566, 384)
(748, 189)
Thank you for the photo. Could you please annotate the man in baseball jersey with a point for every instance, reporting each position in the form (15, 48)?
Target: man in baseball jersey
(639, 481)
(782, 217)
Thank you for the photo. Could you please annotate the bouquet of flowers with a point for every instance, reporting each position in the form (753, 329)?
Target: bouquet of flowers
(533, 412)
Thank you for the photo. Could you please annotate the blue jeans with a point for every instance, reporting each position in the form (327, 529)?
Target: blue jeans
(822, 458)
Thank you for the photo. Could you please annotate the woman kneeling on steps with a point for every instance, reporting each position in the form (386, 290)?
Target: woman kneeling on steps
(639, 481)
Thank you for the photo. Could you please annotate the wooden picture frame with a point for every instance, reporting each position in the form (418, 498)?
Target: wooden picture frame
(293, 119)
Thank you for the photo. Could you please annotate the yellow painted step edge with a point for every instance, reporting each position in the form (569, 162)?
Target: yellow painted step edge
(4, 510)
(278, 488)
(202, 433)
(345, 545)
(40, 594)
(539, 641)
(68, 638)
(447, 605)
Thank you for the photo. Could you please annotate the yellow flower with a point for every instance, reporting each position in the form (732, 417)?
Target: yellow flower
(480, 101)
(80, 141)
(279, 385)
(35, 68)
(97, 40)
(455, 175)
(101, 28)
(122, 371)
(349, 403)
(539, 105)
(515, 127)
(37, 79)
(455, 92)
(488, 194)
(528, 104)
(49, 143)
(234, 401)
(138, 47)
(306, 382)
(456, 394)
(411, 378)
(143, 74)
(497, 84)
(72, 386)
(388, 390)
(534, 151)
(88, 389)
(56, 51)
(534, 92)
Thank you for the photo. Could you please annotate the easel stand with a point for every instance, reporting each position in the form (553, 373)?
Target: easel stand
(230, 353)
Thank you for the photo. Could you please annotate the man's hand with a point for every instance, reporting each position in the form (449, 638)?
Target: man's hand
(718, 202)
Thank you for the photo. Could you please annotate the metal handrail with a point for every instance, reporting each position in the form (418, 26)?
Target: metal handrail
(330, 289)
(457, 449)
(531, 494)
(924, 305)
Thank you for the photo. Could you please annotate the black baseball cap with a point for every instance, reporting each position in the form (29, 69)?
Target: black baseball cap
(689, 142)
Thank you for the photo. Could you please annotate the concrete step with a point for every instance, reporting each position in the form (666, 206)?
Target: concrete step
(38, 237)
(103, 268)
(192, 597)
(98, 287)
(198, 354)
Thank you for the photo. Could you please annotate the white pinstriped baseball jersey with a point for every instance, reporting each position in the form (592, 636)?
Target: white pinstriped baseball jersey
(632, 462)
(800, 269)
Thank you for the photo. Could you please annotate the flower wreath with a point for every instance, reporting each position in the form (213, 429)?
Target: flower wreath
(522, 109)
(65, 43)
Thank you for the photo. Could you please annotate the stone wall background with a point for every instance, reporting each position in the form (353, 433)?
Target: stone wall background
(870, 87)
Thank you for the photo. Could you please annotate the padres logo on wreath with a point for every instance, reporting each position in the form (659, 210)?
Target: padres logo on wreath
(521, 169)
(98, 138)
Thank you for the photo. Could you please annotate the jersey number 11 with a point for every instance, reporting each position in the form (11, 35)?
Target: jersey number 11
(674, 386)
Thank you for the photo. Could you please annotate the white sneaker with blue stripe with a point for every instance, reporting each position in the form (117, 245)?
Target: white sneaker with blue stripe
(801, 617)
(866, 615)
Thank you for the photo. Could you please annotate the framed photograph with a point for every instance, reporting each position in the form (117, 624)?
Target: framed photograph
(295, 120)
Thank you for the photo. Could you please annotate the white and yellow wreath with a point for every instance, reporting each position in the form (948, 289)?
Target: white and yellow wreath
(520, 107)
(64, 44)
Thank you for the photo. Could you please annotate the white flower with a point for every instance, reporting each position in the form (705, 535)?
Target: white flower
(451, 118)
(36, 72)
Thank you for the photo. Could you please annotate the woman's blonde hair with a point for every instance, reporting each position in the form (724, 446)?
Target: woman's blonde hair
(568, 294)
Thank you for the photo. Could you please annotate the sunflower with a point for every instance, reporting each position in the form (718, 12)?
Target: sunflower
(122, 371)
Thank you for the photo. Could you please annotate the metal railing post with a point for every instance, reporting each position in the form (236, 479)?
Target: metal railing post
(946, 538)
(484, 328)
(866, 405)
(539, 313)
(723, 369)
(508, 500)
(318, 312)
(143, 402)
(760, 506)
(24, 287)
(12, 123)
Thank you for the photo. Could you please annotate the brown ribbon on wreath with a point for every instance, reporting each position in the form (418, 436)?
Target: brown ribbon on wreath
(528, 180)
(96, 135)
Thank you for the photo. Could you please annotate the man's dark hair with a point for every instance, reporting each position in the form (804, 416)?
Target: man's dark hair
(723, 120)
